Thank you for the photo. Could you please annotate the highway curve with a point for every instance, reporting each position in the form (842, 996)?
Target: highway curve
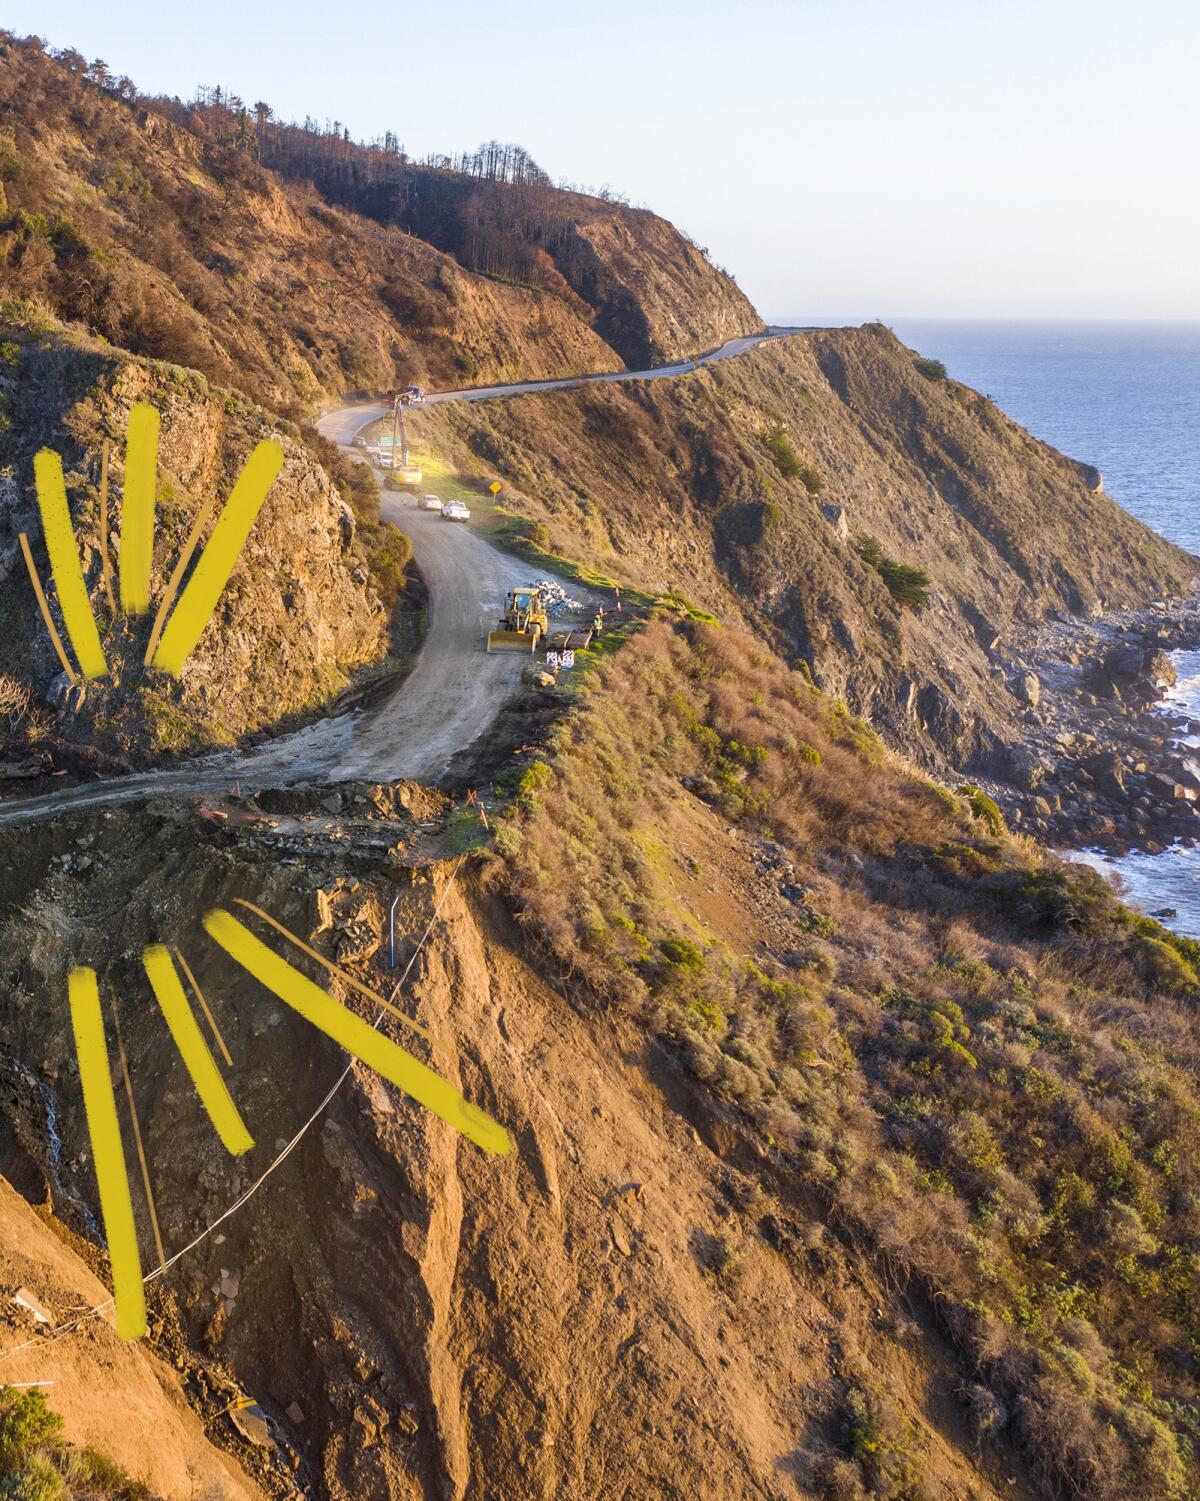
(450, 697)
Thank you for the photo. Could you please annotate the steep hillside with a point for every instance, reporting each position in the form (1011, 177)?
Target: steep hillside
(787, 486)
(299, 617)
(650, 291)
(409, 1295)
(853, 1137)
(155, 226)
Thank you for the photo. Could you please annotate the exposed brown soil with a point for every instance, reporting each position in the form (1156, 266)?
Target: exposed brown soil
(411, 1295)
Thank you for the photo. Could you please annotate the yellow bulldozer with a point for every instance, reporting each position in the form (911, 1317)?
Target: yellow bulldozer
(524, 624)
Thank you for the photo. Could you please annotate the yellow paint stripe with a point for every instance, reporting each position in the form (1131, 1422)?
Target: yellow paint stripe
(210, 1086)
(99, 1103)
(185, 557)
(55, 638)
(137, 1132)
(203, 589)
(354, 1034)
(208, 1016)
(335, 969)
(72, 592)
(137, 508)
(105, 561)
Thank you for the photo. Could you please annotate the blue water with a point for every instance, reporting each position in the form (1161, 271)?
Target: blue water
(1122, 396)
(1125, 397)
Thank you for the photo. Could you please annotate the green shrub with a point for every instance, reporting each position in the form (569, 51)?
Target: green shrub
(389, 552)
(984, 808)
(779, 446)
(682, 952)
(1052, 899)
(908, 585)
(882, 1441)
(811, 479)
(26, 1424)
(930, 369)
(535, 776)
(37, 1480)
(1165, 968)
(362, 493)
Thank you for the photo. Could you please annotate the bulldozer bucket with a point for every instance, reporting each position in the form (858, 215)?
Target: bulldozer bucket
(526, 641)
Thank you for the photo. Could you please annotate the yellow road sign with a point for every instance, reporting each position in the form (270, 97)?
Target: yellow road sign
(495, 487)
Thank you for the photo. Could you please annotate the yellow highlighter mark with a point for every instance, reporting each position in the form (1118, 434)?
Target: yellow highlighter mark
(44, 607)
(105, 563)
(336, 969)
(197, 1058)
(100, 1106)
(354, 1034)
(64, 564)
(137, 508)
(177, 573)
(203, 589)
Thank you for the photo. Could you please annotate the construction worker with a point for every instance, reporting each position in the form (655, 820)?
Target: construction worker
(598, 623)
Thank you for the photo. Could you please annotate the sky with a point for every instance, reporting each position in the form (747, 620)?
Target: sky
(845, 159)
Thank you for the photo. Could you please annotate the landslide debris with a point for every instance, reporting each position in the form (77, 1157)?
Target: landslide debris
(110, 1393)
(851, 1135)
(633, 1302)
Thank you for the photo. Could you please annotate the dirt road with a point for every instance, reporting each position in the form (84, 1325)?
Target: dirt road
(448, 700)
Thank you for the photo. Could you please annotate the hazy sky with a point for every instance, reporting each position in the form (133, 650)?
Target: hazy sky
(844, 158)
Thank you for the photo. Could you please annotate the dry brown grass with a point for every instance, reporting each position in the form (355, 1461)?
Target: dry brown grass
(971, 1055)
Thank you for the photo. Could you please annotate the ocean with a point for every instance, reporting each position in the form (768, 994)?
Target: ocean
(1125, 397)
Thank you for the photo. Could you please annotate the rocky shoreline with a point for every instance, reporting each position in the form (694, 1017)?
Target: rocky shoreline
(1102, 763)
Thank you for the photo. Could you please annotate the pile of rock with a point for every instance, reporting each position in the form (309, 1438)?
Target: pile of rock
(558, 601)
(1135, 675)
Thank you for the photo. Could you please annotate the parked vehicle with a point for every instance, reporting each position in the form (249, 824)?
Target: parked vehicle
(523, 623)
(430, 503)
(414, 396)
(454, 510)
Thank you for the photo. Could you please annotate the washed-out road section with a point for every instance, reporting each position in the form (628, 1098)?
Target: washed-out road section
(445, 703)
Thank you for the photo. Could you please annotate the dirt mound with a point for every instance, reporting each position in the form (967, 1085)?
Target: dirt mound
(111, 1393)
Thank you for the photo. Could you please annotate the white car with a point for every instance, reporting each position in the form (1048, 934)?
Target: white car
(454, 510)
(430, 503)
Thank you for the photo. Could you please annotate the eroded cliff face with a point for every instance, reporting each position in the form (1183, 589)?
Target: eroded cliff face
(628, 1304)
(680, 485)
(657, 295)
(298, 618)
